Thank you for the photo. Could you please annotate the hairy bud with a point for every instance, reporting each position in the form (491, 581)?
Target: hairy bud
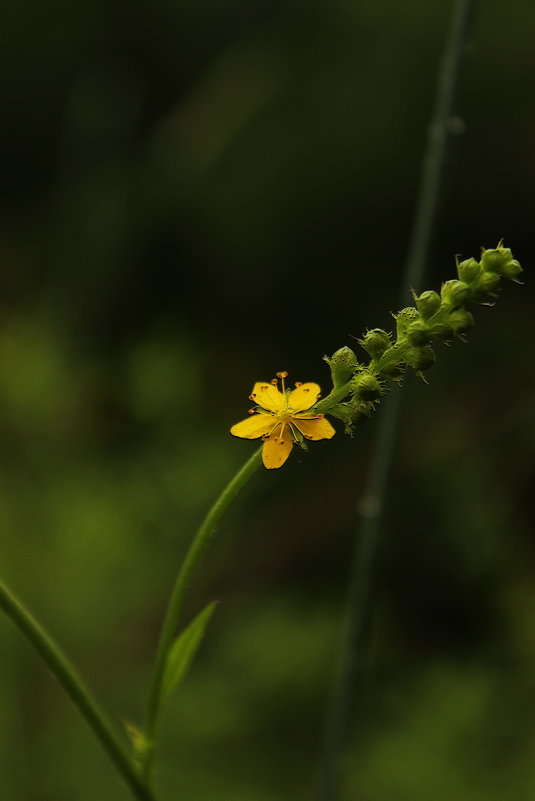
(367, 387)
(500, 261)
(460, 321)
(484, 288)
(403, 319)
(375, 342)
(420, 358)
(468, 270)
(418, 333)
(428, 303)
(393, 371)
(343, 364)
(454, 293)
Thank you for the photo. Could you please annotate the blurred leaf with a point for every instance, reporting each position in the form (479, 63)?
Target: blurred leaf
(184, 649)
(137, 738)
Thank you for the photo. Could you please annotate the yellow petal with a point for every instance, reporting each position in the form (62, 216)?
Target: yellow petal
(303, 397)
(267, 396)
(314, 429)
(253, 427)
(277, 449)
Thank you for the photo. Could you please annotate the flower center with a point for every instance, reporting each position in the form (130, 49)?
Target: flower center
(284, 416)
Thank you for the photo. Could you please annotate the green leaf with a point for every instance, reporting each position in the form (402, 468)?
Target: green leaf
(184, 649)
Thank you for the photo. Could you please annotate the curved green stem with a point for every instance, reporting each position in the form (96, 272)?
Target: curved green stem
(176, 603)
(76, 689)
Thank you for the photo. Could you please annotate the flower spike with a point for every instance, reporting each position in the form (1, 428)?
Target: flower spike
(284, 418)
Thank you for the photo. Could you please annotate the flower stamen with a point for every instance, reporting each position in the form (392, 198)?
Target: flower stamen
(295, 436)
(282, 375)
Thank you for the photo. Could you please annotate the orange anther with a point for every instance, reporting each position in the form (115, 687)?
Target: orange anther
(274, 382)
(253, 396)
(282, 374)
(298, 384)
(252, 411)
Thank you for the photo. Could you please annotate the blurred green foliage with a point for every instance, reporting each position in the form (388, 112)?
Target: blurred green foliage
(195, 196)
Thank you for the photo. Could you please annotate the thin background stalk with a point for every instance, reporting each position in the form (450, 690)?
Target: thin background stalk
(373, 502)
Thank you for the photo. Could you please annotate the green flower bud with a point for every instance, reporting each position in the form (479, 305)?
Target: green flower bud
(418, 333)
(351, 414)
(375, 342)
(393, 371)
(403, 319)
(461, 321)
(420, 358)
(500, 261)
(512, 270)
(428, 303)
(359, 411)
(367, 387)
(441, 330)
(493, 259)
(484, 288)
(343, 365)
(454, 293)
(468, 270)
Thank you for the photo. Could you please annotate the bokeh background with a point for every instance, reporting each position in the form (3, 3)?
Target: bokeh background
(194, 196)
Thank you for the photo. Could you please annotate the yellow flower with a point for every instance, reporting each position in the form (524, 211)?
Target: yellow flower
(282, 420)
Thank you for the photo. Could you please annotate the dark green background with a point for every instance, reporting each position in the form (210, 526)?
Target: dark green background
(194, 196)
